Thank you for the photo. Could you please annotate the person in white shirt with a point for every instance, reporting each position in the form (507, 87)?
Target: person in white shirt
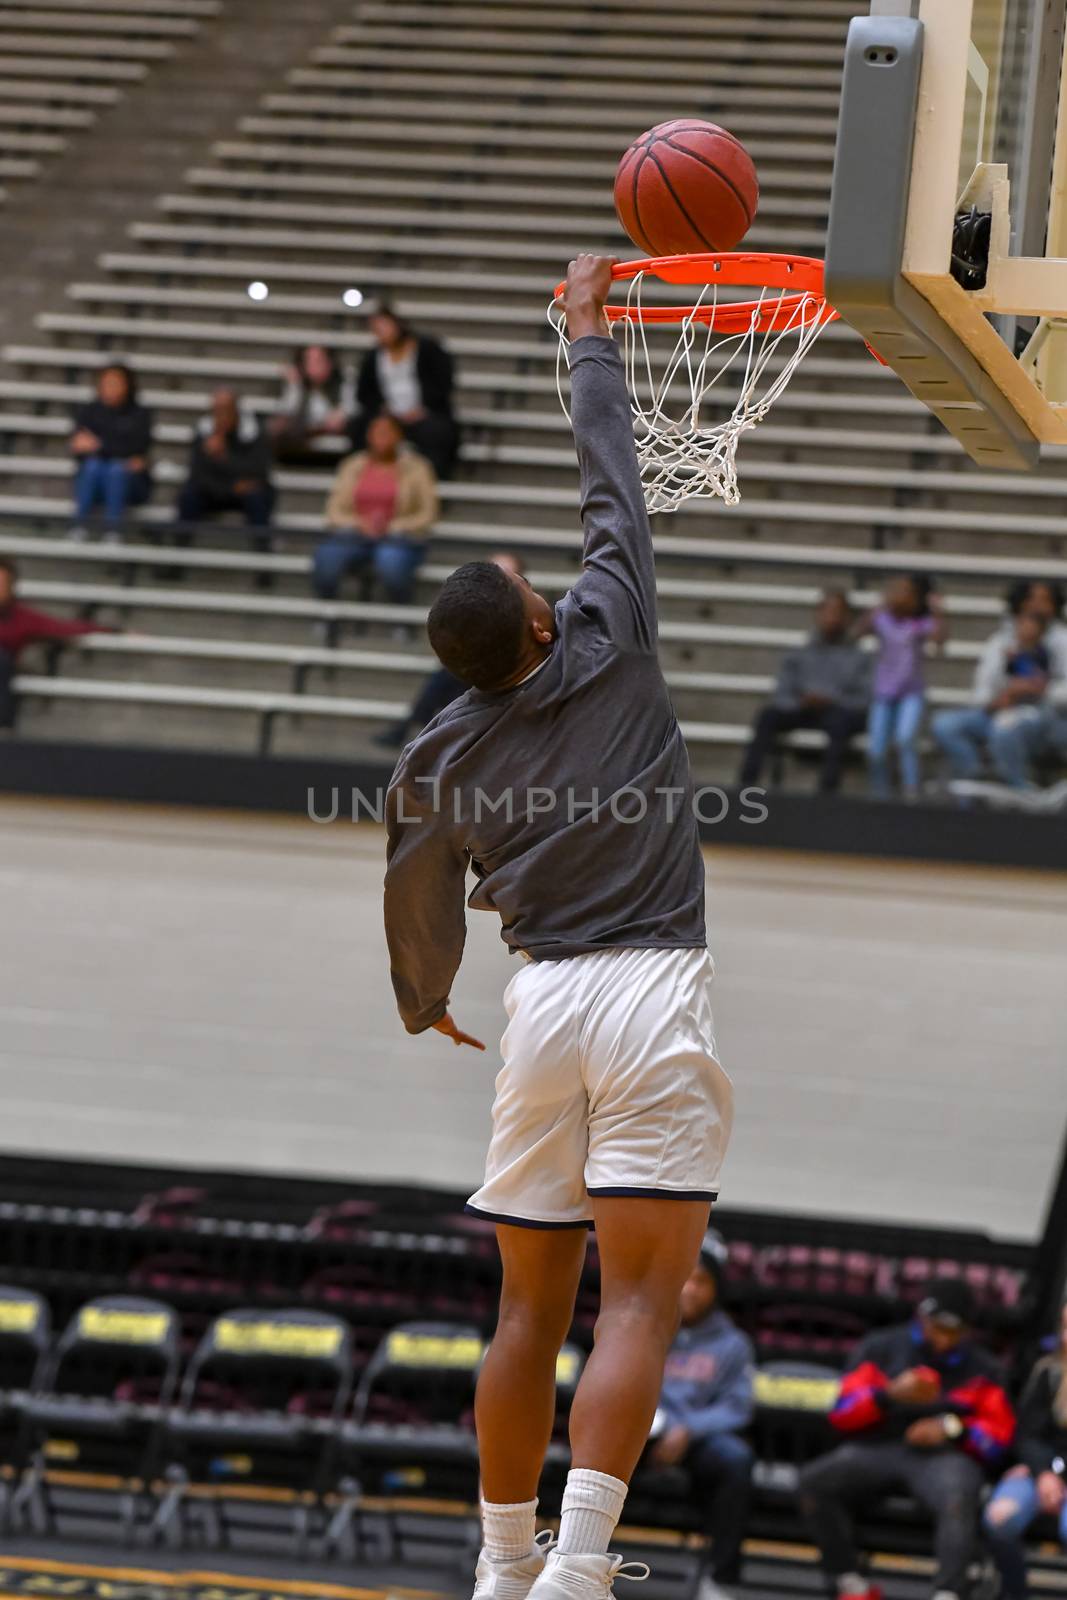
(1017, 718)
(311, 425)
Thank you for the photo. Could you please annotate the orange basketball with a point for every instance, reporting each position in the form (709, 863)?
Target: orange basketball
(684, 187)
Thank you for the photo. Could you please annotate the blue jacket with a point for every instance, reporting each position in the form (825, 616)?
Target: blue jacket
(707, 1385)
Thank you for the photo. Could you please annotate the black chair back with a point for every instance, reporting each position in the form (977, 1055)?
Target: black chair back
(25, 1335)
(296, 1360)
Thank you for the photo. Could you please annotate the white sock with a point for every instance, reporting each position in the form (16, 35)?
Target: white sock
(508, 1531)
(592, 1505)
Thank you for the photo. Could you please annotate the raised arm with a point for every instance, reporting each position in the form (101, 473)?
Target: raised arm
(425, 927)
(620, 574)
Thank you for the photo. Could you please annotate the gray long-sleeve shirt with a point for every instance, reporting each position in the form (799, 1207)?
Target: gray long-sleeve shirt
(569, 795)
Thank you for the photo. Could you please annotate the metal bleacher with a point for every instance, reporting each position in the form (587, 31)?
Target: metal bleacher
(62, 62)
(452, 156)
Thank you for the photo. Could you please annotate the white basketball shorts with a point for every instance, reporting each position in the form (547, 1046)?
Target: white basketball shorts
(609, 1086)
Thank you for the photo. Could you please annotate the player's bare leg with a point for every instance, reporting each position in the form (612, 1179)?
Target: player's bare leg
(515, 1406)
(516, 1402)
(648, 1248)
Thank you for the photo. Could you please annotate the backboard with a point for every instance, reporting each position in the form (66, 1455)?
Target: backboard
(948, 222)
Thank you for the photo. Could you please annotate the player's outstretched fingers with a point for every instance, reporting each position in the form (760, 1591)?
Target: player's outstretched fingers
(448, 1027)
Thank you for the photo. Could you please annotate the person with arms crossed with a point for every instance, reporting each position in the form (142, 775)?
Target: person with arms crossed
(562, 779)
(922, 1407)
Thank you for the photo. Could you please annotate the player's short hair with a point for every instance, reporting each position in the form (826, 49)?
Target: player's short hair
(476, 624)
(10, 566)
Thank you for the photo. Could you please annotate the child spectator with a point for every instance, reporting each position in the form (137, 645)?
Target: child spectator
(909, 616)
(383, 505)
(1030, 659)
(411, 376)
(316, 409)
(229, 467)
(111, 442)
(20, 626)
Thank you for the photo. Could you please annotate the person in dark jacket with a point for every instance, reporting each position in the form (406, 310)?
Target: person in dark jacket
(411, 376)
(1037, 1486)
(924, 1409)
(21, 626)
(826, 684)
(111, 442)
(229, 467)
(705, 1402)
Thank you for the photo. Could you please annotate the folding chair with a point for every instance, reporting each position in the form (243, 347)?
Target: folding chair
(98, 1403)
(264, 1394)
(412, 1426)
(25, 1334)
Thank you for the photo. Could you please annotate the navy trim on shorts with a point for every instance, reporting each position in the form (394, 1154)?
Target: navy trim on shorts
(658, 1194)
(521, 1222)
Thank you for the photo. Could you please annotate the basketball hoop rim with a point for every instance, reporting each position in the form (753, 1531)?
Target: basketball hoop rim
(799, 279)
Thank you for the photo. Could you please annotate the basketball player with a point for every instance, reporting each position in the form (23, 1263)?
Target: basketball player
(562, 779)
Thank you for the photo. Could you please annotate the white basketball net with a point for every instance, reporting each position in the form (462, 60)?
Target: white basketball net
(686, 445)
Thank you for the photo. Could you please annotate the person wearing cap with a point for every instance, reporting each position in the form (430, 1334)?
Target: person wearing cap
(923, 1409)
(1037, 1485)
(705, 1401)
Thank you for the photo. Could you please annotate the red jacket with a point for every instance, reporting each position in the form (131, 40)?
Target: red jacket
(20, 625)
(970, 1387)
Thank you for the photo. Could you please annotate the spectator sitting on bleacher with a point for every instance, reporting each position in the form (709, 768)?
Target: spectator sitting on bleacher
(826, 685)
(926, 1412)
(440, 688)
(21, 626)
(909, 617)
(1017, 715)
(411, 376)
(383, 505)
(111, 442)
(315, 412)
(705, 1402)
(1036, 1487)
(229, 467)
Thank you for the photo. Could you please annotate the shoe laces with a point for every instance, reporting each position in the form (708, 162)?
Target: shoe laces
(635, 1571)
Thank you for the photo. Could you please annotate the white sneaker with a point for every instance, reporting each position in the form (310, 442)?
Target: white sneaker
(78, 534)
(569, 1577)
(511, 1580)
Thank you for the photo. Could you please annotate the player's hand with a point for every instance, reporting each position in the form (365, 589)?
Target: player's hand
(668, 1451)
(915, 1387)
(588, 286)
(450, 1031)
